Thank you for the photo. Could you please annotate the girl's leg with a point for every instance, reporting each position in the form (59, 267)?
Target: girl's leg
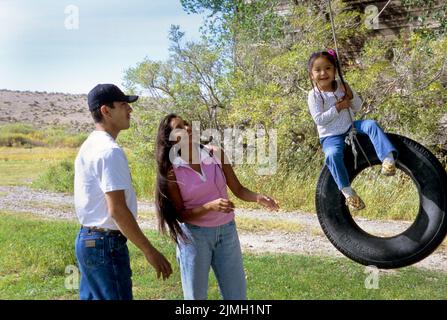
(333, 148)
(194, 259)
(227, 263)
(380, 141)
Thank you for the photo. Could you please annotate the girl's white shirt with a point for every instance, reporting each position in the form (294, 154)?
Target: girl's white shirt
(329, 121)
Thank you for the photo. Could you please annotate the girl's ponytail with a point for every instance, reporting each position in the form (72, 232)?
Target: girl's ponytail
(337, 65)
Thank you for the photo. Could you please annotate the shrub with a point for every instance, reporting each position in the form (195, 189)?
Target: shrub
(25, 135)
(58, 177)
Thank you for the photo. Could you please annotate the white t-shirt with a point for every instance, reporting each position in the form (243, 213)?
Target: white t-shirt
(100, 167)
(329, 121)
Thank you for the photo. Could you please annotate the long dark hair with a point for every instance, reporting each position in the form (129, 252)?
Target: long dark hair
(166, 212)
(331, 56)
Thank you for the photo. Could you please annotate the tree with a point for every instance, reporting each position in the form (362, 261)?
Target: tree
(251, 72)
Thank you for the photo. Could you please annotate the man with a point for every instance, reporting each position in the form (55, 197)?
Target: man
(106, 203)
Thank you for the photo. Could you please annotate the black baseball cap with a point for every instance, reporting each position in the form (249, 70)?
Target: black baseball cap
(107, 93)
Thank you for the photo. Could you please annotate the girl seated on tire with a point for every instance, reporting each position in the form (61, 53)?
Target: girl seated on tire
(332, 104)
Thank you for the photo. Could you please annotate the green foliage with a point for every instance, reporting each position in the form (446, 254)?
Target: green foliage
(249, 71)
(263, 84)
(18, 134)
(404, 92)
(58, 177)
(231, 20)
(198, 6)
(430, 12)
(189, 83)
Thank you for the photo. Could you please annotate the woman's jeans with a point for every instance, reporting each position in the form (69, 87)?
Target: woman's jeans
(333, 148)
(219, 248)
(103, 260)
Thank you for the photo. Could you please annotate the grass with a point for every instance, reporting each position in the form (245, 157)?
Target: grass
(36, 154)
(58, 177)
(18, 173)
(52, 169)
(25, 165)
(293, 189)
(259, 225)
(19, 134)
(35, 253)
(387, 198)
(50, 166)
(397, 196)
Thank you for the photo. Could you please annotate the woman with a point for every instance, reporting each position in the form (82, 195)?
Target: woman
(192, 200)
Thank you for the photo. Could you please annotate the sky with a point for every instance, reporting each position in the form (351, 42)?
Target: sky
(70, 46)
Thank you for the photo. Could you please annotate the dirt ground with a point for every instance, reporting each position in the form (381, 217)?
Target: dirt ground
(310, 240)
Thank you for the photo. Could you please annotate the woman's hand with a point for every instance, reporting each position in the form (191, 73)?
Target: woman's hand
(267, 202)
(221, 204)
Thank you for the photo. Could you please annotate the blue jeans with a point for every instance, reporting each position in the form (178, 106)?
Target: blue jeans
(103, 259)
(219, 248)
(333, 148)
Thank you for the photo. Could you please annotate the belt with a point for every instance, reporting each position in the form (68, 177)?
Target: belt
(102, 230)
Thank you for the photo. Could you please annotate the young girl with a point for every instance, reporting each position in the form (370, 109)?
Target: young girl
(191, 188)
(332, 104)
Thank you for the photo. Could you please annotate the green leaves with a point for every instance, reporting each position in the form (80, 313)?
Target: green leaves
(251, 66)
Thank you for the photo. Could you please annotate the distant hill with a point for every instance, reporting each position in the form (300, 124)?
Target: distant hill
(42, 108)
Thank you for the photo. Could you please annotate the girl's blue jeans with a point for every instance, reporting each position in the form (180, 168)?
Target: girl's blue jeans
(333, 148)
(215, 247)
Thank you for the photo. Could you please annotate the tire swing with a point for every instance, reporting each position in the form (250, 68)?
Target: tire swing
(430, 225)
(414, 244)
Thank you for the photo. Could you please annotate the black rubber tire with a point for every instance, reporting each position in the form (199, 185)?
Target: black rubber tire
(414, 244)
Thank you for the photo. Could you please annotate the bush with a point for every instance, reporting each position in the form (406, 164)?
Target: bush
(58, 177)
(24, 135)
(18, 140)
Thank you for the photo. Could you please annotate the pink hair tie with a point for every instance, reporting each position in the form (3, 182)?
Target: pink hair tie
(332, 53)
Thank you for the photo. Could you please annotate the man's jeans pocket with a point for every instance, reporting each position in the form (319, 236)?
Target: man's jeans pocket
(91, 250)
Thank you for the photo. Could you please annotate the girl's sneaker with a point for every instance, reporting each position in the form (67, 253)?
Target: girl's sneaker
(355, 203)
(388, 168)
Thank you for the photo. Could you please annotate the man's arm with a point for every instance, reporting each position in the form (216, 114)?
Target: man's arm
(120, 213)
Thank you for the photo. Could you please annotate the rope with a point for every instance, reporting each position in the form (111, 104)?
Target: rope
(334, 36)
(351, 138)
(386, 5)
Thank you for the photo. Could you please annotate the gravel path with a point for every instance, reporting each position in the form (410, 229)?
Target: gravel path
(310, 240)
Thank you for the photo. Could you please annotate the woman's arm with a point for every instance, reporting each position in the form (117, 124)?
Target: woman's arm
(223, 205)
(239, 190)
